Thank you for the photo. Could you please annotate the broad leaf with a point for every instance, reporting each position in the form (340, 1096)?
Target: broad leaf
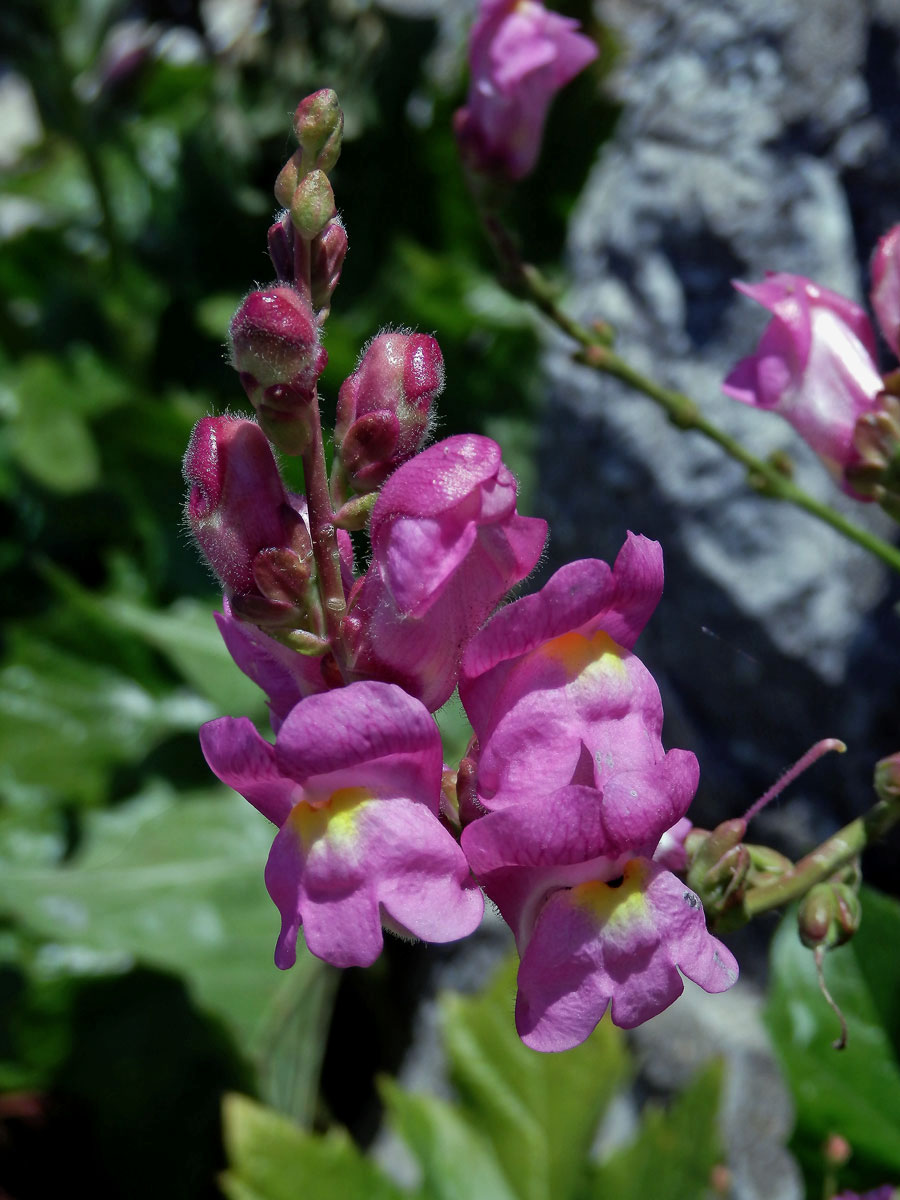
(271, 1158)
(178, 883)
(540, 1111)
(854, 1092)
(675, 1151)
(457, 1161)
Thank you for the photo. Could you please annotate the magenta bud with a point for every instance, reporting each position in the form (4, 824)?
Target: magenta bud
(275, 339)
(280, 240)
(327, 254)
(398, 377)
(237, 504)
(312, 205)
(319, 126)
(281, 574)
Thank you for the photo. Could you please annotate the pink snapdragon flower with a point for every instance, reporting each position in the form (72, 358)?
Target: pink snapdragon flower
(353, 783)
(886, 287)
(579, 794)
(815, 365)
(520, 56)
(447, 545)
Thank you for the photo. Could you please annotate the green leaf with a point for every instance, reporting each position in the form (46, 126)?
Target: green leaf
(854, 1092)
(675, 1151)
(457, 1161)
(540, 1111)
(270, 1158)
(65, 721)
(175, 883)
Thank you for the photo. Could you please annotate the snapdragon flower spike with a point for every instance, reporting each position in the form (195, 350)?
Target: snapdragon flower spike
(815, 365)
(274, 342)
(447, 545)
(353, 783)
(886, 287)
(579, 795)
(520, 56)
(384, 407)
(237, 505)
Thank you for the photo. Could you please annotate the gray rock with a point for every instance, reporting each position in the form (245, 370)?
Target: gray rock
(748, 134)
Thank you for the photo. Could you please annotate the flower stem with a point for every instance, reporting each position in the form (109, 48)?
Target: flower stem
(838, 851)
(525, 280)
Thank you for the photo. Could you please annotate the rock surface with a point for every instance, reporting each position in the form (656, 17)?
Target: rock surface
(754, 136)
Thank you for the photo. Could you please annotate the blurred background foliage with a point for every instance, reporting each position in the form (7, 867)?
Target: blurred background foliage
(138, 145)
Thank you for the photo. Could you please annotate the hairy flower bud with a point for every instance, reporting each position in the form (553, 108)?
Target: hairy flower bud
(280, 241)
(327, 254)
(384, 407)
(319, 126)
(312, 205)
(275, 347)
(237, 505)
(887, 779)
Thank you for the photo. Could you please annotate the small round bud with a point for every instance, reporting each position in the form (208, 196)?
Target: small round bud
(288, 178)
(274, 337)
(829, 915)
(887, 779)
(384, 407)
(319, 126)
(312, 205)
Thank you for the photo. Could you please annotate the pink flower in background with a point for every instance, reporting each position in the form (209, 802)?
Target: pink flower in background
(886, 287)
(815, 365)
(579, 793)
(353, 783)
(886, 1192)
(520, 55)
(447, 545)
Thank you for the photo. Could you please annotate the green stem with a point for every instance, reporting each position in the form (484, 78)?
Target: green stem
(837, 852)
(524, 279)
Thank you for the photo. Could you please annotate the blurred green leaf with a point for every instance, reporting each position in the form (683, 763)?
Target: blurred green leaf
(540, 1111)
(270, 1158)
(854, 1092)
(175, 883)
(457, 1161)
(65, 721)
(675, 1151)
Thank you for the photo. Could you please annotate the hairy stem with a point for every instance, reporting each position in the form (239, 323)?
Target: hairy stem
(838, 851)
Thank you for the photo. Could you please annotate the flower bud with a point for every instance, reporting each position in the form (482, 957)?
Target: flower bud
(887, 779)
(886, 287)
(237, 504)
(327, 254)
(275, 347)
(829, 915)
(312, 205)
(384, 407)
(280, 241)
(288, 178)
(319, 126)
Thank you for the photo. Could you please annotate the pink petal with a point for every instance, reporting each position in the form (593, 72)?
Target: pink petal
(244, 761)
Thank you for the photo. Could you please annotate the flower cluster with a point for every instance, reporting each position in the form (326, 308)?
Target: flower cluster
(566, 810)
(816, 365)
